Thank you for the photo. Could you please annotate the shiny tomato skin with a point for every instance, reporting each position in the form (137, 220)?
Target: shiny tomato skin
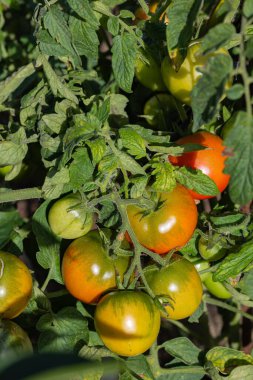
(180, 83)
(168, 227)
(13, 340)
(211, 161)
(68, 220)
(202, 265)
(15, 285)
(181, 283)
(216, 288)
(127, 321)
(87, 269)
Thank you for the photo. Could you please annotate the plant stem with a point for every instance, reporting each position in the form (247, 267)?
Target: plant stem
(46, 282)
(18, 195)
(56, 294)
(224, 305)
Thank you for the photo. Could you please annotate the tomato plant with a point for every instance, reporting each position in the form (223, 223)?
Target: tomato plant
(216, 288)
(180, 282)
(212, 249)
(169, 225)
(68, 217)
(15, 285)
(202, 265)
(128, 322)
(180, 83)
(140, 14)
(87, 269)
(211, 161)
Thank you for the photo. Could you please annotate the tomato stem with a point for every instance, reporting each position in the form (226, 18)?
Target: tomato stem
(18, 195)
(224, 305)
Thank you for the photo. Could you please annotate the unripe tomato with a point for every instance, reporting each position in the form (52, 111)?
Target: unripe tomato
(15, 285)
(211, 161)
(216, 288)
(202, 265)
(127, 321)
(180, 83)
(149, 74)
(181, 283)
(68, 219)
(87, 269)
(13, 340)
(170, 225)
(162, 110)
(5, 170)
(212, 250)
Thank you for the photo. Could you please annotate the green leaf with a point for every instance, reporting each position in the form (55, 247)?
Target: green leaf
(190, 249)
(183, 349)
(54, 122)
(235, 263)
(225, 359)
(209, 89)
(57, 86)
(84, 37)
(133, 142)
(235, 92)
(56, 24)
(113, 25)
(9, 221)
(239, 164)
(246, 284)
(182, 15)
(54, 183)
(124, 52)
(241, 372)
(196, 180)
(8, 86)
(217, 37)
(65, 331)
(98, 149)
(247, 8)
(249, 48)
(139, 186)
(49, 46)
(139, 364)
(49, 247)
(194, 318)
(109, 163)
(129, 163)
(164, 176)
(83, 9)
(95, 353)
(81, 169)
(14, 151)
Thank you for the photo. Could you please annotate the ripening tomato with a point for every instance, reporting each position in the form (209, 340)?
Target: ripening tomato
(170, 225)
(13, 340)
(212, 249)
(127, 321)
(69, 219)
(140, 14)
(87, 269)
(211, 161)
(15, 285)
(216, 287)
(180, 83)
(148, 73)
(181, 283)
(161, 110)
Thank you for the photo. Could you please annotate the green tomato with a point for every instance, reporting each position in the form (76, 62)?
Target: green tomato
(212, 249)
(13, 340)
(161, 110)
(216, 288)
(149, 73)
(68, 219)
(5, 170)
(202, 265)
(180, 83)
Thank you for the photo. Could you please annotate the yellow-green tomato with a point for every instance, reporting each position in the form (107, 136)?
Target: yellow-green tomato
(127, 321)
(5, 170)
(180, 282)
(180, 83)
(149, 74)
(216, 288)
(14, 341)
(161, 110)
(68, 218)
(202, 265)
(213, 249)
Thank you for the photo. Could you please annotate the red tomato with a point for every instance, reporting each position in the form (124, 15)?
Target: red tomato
(87, 269)
(15, 285)
(170, 225)
(127, 321)
(211, 161)
(181, 283)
